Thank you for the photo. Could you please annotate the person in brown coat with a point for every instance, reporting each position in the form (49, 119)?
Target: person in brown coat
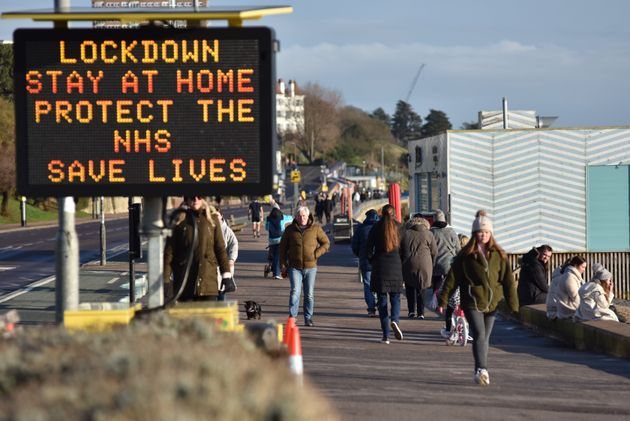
(417, 253)
(302, 243)
(209, 253)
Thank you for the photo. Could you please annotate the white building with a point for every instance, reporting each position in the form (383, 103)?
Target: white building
(569, 188)
(289, 108)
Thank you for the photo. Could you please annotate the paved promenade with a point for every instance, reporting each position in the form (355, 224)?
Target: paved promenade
(532, 377)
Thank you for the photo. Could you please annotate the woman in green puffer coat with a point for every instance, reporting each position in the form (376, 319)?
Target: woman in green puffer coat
(483, 274)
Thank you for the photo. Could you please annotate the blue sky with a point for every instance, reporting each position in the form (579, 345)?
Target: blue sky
(565, 58)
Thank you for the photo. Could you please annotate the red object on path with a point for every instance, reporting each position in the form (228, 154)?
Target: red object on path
(394, 200)
(288, 330)
(295, 353)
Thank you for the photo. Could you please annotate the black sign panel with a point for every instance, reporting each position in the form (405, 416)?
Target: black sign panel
(147, 112)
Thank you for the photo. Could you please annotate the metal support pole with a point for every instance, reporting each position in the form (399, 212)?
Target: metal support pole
(382, 165)
(67, 261)
(132, 271)
(152, 228)
(103, 233)
(61, 6)
(350, 213)
(23, 210)
(506, 119)
(134, 246)
(296, 196)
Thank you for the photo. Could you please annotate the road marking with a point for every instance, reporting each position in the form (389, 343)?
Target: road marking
(111, 281)
(5, 268)
(29, 288)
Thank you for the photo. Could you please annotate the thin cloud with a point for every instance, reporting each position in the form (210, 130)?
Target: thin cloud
(370, 71)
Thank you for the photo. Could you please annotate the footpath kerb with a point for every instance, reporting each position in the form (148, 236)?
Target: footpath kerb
(532, 377)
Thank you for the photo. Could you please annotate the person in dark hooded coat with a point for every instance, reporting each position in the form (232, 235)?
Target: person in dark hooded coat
(359, 248)
(532, 282)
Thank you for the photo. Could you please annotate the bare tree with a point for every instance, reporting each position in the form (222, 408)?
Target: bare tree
(321, 131)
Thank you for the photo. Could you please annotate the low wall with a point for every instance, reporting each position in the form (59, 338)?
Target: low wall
(604, 336)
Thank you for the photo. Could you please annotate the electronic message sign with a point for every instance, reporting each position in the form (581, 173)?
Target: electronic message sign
(146, 112)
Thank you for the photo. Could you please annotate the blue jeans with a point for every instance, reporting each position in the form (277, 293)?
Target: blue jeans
(274, 249)
(370, 297)
(297, 278)
(394, 299)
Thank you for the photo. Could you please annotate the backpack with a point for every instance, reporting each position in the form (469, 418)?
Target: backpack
(275, 228)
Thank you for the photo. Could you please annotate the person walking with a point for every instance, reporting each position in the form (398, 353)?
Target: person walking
(302, 243)
(532, 281)
(483, 274)
(359, 248)
(564, 297)
(319, 206)
(328, 208)
(417, 253)
(383, 252)
(302, 201)
(448, 245)
(275, 225)
(231, 247)
(209, 252)
(256, 214)
(596, 297)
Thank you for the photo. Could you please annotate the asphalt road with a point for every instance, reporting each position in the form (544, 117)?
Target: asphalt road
(27, 254)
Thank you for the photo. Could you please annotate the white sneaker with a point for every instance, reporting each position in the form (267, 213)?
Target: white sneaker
(397, 332)
(482, 377)
(445, 333)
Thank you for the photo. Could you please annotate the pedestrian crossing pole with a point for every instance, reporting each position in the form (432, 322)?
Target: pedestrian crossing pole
(103, 233)
(23, 210)
(67, 261)
(153, 229)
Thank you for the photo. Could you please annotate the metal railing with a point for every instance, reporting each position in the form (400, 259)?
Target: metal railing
(618, 263)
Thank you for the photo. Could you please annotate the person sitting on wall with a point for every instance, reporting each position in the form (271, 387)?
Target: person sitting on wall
(596, 297)
(563, 298)
(532, 282)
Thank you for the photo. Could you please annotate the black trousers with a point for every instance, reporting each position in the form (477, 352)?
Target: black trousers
(415, 304)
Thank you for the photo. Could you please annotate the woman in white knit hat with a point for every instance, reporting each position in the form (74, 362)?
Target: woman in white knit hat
(597, 296)
(483, 274)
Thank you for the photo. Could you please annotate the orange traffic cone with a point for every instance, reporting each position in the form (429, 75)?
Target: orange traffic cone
(295, 354)
(289, 330)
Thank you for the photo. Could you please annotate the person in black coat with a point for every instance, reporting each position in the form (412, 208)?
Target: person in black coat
(532, 282)
(359, 248)
(387, 280)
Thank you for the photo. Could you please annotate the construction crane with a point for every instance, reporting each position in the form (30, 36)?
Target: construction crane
(413, 83)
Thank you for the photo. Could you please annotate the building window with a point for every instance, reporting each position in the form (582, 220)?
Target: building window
(421, 182)
(435, 191)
